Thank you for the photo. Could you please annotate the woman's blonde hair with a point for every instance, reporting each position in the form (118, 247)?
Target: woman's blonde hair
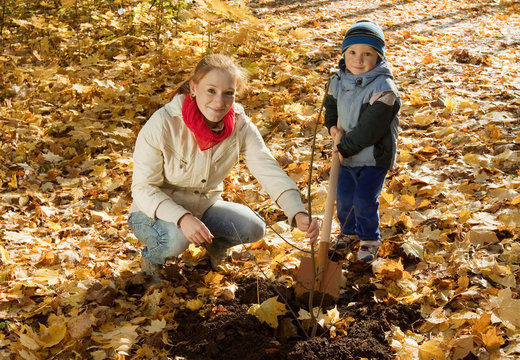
(212, 62)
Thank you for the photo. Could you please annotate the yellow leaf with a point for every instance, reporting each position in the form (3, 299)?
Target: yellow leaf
(481, 324)
(297, 234)
(463, 281)
(405, 156)
(300, 33)
(194, 304)
(54, 226)
(450, 106)
(387, 197)
(424, 203)
(406, 220)
(412, 247)
(417, 98)
(251, 66)
(13, 184)
(462, 346)
(422, 39)
(471, 158)
(409, 199)
(495, 132)
(82, 89)
(29, 339)
(196, 252)
(464, 215)
(214, 278)
(52, 335)
(233, 11)
(45, 277)
(431, 350)
(482, 237)
(506, 308)
(319, 198)
(98, 171)
(491, 340)
(156, 326)
(423, 118)
(68, 3)
(4, 255)
(120, 339)
(393, 270)
(516, 200)
(268, 311)
(98, 355)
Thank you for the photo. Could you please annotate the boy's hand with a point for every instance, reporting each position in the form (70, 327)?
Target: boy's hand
(336, 136)
(334, 131)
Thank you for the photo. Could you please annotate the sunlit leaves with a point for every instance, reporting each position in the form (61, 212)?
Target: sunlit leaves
(268, 311)
(80, 79)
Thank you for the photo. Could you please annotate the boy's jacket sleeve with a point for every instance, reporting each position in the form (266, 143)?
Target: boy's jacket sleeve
(373, 124)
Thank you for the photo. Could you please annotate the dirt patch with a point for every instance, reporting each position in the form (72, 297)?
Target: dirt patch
(228, 332)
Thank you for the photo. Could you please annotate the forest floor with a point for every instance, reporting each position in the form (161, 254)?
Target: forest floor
(79, 79)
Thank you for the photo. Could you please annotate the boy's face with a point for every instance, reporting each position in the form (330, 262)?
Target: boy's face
(360, 58)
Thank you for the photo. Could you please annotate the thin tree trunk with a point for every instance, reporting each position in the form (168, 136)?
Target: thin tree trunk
(77, 29)
(2, 21)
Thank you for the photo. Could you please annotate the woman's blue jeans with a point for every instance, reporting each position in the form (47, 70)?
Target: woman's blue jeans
(230, 223)
(358, 190)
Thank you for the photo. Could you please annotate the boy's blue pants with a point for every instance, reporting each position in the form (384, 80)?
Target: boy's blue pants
(359, 189)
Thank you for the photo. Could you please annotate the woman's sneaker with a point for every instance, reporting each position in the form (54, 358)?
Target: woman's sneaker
(368, 251)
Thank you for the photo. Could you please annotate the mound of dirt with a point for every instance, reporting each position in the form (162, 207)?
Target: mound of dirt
(230, 333)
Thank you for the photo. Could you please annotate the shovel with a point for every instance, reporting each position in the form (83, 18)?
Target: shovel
(322, 275)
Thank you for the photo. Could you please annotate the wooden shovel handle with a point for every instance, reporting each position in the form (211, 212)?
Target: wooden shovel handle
(323, 249)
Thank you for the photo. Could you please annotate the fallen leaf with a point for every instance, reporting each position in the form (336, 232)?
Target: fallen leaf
(431, 350)
(268, 311)
(155, 326)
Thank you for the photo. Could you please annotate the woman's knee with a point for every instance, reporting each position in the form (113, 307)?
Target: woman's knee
(257, 231)
(162, 239)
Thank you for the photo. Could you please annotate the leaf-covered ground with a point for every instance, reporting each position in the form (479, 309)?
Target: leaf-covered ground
(79, 78)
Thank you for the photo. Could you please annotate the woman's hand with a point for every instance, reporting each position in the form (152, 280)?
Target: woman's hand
(195, 231)
(309, 226)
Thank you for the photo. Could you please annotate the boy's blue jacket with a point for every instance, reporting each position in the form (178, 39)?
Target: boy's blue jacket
(367, 106)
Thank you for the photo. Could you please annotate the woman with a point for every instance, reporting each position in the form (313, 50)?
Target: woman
(181, 157)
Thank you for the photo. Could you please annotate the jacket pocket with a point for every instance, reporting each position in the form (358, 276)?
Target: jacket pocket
(177, 166)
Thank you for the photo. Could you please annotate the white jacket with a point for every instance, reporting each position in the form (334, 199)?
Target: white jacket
(171, 172)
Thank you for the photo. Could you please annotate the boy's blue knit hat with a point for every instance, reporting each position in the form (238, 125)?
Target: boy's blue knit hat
(365, 32)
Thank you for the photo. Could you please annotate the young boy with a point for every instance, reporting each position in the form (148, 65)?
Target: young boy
(361, 113)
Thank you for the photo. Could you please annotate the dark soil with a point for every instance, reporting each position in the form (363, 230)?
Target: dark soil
(230, 333)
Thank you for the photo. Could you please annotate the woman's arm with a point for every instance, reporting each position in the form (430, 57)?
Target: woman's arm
(147, 177)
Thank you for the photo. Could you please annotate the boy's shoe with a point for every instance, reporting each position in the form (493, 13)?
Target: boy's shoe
(343, 242)
(216, 257)
(368, 251)
(152, 270)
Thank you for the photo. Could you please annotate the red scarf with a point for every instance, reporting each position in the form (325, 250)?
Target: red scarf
(194, 120)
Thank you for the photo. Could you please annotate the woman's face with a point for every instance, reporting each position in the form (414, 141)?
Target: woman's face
(214, 94)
